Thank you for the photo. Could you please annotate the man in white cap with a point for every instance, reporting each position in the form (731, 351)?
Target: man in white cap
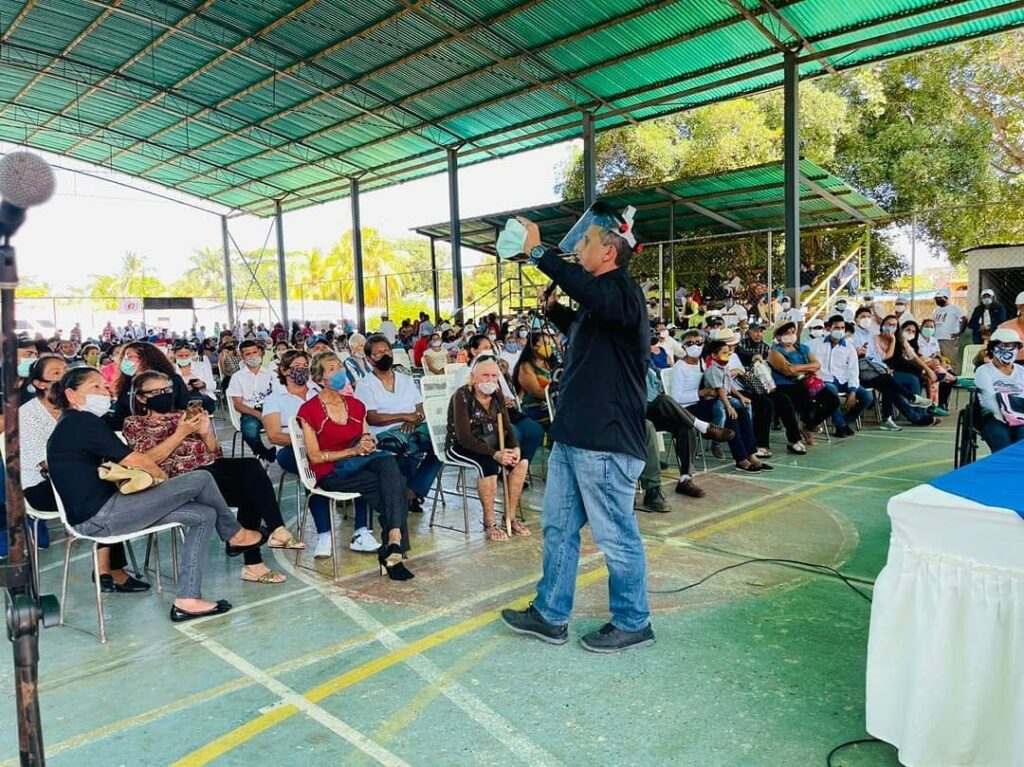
(815, 335)
(950, 322)
(902, 313)
(986, 317)
(843, 307)
(1016, 324)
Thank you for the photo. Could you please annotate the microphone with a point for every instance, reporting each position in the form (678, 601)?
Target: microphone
(26, 180)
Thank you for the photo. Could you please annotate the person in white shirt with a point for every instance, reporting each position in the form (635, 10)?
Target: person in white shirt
(789, 313)
(248, 390)
(843, 307)
(815, 335)
(950, 322)
(734, 284)
(388, 329)
(196, 373)
(902, 313)
(671, 346)
(841, 373)
(733, 313)
(1000, 386)
(394, 412)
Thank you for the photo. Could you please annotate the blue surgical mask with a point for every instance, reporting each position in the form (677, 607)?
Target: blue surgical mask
(24, 366)
(338, 380)
(128, 367)
(511, 239)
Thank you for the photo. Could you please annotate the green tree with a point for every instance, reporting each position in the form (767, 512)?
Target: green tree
(29, 286)
(131, 281)
(204, 277)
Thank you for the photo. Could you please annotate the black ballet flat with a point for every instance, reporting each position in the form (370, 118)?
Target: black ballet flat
(179, 616)
(131, 586)
(234, 551)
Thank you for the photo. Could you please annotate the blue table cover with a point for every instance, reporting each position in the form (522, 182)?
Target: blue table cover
(997, 480)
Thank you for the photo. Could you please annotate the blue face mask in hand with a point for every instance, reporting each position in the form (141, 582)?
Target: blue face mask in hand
(511, 239)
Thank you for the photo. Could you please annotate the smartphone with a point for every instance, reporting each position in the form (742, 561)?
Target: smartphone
(193, 409)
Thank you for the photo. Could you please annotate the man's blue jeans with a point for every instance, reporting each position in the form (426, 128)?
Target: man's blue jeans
(596, 487)
(250, 428)
(864, 400)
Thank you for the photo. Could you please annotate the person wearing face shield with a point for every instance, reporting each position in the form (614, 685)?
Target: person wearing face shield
(988, 315)
(599, 431)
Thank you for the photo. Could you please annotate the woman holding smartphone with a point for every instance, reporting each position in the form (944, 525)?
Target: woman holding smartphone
(182, 442)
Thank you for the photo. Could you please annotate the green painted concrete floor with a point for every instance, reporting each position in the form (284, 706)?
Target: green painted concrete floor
(762, 665)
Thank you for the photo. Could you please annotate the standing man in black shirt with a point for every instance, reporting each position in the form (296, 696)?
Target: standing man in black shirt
(598, 430)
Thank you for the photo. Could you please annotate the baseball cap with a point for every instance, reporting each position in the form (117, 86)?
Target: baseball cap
(816, 323)
(314, 340)
(1020, 299)
(756, 325)
(1005, 336)
(988, 292)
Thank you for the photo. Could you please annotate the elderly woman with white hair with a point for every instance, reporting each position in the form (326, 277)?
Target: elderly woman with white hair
(356, 365)
(476, 413)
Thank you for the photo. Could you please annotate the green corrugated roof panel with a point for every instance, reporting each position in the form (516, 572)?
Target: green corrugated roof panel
(751, 198)
(379, 89)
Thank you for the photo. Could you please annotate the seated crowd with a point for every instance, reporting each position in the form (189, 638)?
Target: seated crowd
(717, 377)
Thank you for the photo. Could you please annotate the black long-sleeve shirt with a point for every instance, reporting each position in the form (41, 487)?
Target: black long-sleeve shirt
(602, 391)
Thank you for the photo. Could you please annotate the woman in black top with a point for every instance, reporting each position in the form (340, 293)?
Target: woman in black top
(473, 438)
(81, 441)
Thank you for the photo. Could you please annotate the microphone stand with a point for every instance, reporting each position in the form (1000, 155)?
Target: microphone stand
(25, 609)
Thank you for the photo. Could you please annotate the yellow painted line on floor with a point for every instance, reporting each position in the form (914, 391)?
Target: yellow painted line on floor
(264, 722)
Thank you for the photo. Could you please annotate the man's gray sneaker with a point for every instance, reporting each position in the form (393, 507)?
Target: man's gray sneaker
(608, 639)
(532, 623)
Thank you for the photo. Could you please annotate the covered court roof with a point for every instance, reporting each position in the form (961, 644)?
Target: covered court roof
(245, 103)
(749, 199)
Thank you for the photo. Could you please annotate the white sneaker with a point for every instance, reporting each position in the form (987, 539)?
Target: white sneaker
(920, 401)
(364, 541)
(324, 548)
(890, 425)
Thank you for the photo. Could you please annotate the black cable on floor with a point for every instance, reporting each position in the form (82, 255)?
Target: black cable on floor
(822, 569)
(841, 746)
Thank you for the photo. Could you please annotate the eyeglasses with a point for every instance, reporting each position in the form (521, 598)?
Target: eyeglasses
(149, 393)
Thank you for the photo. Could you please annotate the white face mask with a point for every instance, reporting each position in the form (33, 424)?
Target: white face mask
(840, 307)
(694, 352)
(900, 308)
(838, 335)
(864, 322)
(492, 337)
(97, 404)
(184, 362)
(487, 387)
(788, 339)
(784, 304)
(909, 335)
(816, 332)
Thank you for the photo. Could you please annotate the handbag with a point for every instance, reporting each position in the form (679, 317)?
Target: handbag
(128, 479)
(813, 384)
(870, 370)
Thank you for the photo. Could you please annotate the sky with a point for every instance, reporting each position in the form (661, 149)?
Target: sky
(91, 222)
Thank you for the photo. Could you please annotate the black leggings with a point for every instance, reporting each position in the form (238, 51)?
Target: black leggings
(766, 407)
(813, 410)
(382, 484)
(40, 497)
(245, 485)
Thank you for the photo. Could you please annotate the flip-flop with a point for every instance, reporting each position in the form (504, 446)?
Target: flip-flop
(291, 543)
(271, 576)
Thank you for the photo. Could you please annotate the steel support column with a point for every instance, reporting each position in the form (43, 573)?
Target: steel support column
(589, 161)
(791, 170)
(282, 271)
(228, 284)
(456, 230)
(357, 255)
(435, 282)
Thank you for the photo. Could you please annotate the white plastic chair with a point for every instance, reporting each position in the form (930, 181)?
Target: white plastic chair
(436, 411)
(434, 387)
(308, 480)
(236, 425)
(698, 441)
(74, 536)
(400, 357)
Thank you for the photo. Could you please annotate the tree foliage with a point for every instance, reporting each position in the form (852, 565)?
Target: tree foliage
(928, 134)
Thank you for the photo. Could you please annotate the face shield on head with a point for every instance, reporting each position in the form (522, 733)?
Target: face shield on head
(606, 218)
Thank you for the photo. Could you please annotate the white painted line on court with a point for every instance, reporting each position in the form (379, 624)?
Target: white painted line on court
(289, 696)
(489, 720)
